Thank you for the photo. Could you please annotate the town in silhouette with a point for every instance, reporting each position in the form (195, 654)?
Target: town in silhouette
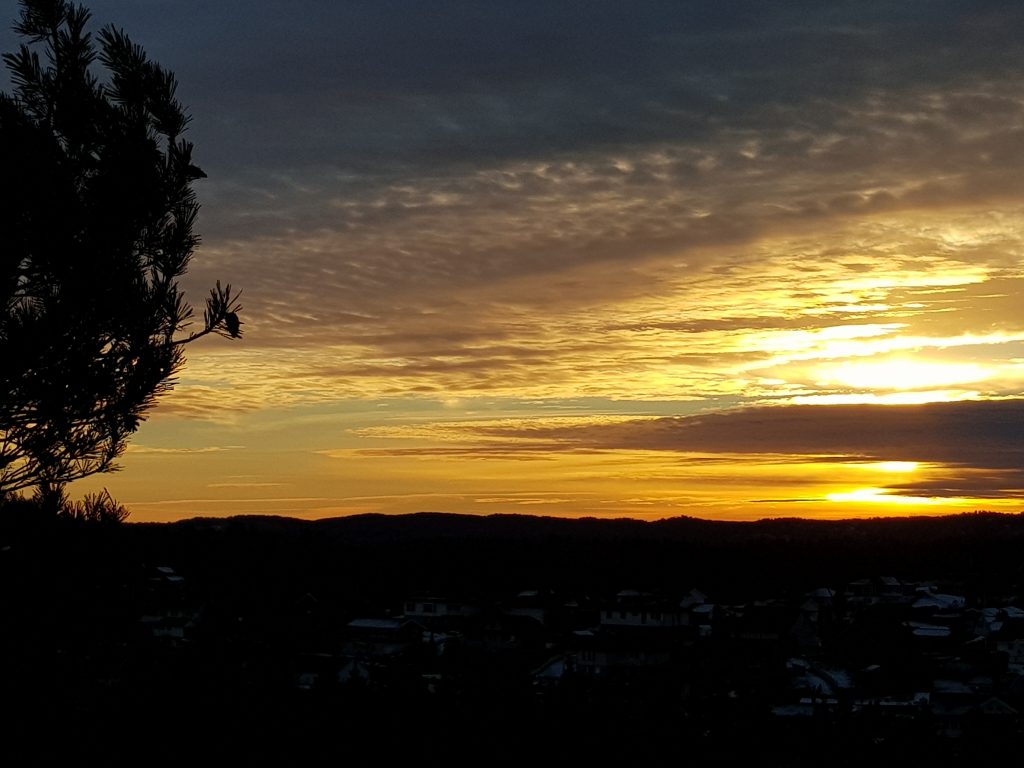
(448, 639)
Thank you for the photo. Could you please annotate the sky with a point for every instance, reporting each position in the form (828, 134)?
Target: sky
(728, 260)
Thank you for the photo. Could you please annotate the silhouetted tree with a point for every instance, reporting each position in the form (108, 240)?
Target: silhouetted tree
(96, 229)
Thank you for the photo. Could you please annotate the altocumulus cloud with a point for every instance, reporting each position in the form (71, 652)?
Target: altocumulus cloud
(423, 198)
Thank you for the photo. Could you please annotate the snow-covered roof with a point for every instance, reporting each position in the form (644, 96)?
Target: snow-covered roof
(920, 629)
(840, 676)
(693, 597)
(951, 687)
(375, 623)
(921, 698)
(822, 593)
(793, 710)
(551, 669)
(939, 601)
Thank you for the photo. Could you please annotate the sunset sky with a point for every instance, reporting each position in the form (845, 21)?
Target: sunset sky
(725, 259)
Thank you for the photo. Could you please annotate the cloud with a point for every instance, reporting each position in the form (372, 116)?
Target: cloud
(629, 206)
(400, 84)
(674, 201)
(964, 449)
(757, 321)
(221, 501)
(486, 268)
(244, 485)
(135, 448)
(971, 434)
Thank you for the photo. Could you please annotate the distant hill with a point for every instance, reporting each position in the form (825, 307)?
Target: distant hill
(393, 554)
(378, 559)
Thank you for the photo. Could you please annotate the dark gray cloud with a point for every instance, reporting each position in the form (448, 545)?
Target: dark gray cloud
(365, 85)
(388, 86)
(975, 445)
(982, 434)
(974, 448)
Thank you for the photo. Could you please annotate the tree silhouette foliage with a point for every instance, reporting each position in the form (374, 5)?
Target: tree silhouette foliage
(96, 230)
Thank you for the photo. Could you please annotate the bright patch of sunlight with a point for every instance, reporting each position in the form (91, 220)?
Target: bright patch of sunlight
(893, 466)
(881, 496)
(902, 374)
(888, 398)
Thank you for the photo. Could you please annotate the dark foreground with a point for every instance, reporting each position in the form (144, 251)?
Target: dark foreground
(449, 640)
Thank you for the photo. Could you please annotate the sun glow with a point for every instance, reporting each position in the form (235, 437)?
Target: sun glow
(882, 496)
(902, 375)
(888, 398)
(894, 466)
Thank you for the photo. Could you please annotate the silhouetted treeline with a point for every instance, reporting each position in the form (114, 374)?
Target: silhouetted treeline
(377, 556)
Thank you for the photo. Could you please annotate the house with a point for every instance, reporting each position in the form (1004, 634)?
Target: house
(638, 637)
(440, 612)
(814, 619)
(553, 670)
(1014, 650)
(930, 601)
(760, 622)
(878, 589)
(539, 605)
(500, 632)
(166, 611)
(313, 670)
(623, 657)
(632, 609)
(381, 638)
